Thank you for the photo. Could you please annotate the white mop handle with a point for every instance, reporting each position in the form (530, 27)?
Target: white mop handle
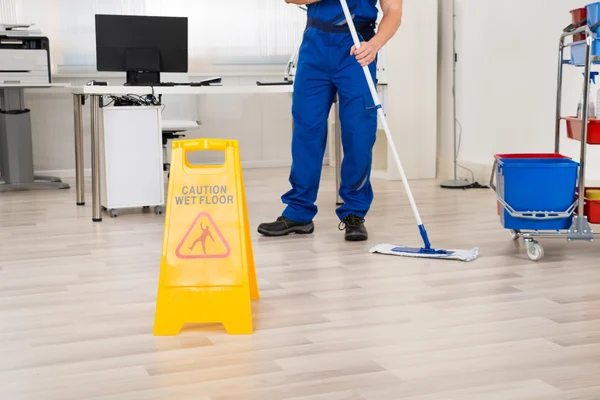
(381, 114)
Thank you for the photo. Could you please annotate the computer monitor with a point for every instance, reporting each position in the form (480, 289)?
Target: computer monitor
(141, 46)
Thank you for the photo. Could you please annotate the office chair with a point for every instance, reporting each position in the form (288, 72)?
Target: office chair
(173, 130)
(178, 116)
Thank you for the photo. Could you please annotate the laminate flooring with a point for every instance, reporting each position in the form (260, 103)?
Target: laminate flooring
(334, 323)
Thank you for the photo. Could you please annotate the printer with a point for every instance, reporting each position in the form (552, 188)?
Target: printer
(24, 56)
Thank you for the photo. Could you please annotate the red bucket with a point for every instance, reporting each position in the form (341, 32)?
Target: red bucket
(579, 15)
(529, 155)
(591, 207)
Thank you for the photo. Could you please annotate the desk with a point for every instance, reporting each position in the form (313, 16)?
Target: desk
(16, 152)
(97, 92)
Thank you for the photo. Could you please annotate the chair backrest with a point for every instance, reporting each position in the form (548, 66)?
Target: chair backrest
(178, 107)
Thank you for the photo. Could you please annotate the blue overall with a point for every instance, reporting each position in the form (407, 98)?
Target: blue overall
(326, 68)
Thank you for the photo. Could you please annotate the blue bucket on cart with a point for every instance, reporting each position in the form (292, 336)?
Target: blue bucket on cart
(593, 15)
(578, 52)
(537, 185)
(578, 48)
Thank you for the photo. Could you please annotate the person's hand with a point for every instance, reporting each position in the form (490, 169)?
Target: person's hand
(366, 54)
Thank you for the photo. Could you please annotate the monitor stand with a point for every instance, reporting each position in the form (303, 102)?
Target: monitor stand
(141, 78)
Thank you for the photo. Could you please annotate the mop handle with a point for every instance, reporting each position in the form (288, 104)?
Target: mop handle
(381, 114)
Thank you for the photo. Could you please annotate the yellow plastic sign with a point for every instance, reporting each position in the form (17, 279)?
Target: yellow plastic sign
(207, 272)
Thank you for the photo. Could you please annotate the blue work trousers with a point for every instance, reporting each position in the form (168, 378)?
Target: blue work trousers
(326, 68)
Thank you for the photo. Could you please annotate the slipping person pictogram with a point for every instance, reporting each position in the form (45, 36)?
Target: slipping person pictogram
(202, 230)
(205, 235)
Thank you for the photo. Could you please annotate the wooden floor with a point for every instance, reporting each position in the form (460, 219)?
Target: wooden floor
(335, 323)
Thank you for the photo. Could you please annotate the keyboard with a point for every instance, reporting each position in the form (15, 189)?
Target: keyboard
(276, 83)
(206, 82)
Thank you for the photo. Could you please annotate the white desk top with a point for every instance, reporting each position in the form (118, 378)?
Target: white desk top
(33, 85)
(189, 90)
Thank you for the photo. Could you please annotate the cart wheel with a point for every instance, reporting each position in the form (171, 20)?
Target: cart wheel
(158, 210)
(146, 207)
(535, 251)
(514, 235)
(114, 213)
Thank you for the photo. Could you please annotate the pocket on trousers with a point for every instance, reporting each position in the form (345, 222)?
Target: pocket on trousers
(369, 103)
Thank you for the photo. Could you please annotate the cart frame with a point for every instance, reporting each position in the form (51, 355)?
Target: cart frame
(580, 229)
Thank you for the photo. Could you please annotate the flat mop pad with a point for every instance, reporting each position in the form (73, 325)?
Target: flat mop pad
(393, 250)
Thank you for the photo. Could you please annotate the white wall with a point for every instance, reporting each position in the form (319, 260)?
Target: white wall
(506, 81)
(263, 123)
(411, 61)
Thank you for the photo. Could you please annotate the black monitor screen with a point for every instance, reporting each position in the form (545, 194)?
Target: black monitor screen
(126, 43)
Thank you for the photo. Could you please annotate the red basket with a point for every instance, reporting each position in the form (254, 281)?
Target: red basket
(526, 155)
(574, 126)
(579, 15)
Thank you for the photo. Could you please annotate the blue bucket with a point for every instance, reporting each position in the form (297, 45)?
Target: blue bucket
(542, 185)
(578, 52)
(593, 15)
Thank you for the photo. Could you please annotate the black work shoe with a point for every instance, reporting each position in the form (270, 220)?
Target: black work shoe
(355, 228)
(284, 226)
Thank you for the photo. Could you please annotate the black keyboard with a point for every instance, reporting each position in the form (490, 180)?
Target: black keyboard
(206, 82)
(276, 83)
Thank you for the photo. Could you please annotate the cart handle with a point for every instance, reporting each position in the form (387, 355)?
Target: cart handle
(572, 27)
(539, 215)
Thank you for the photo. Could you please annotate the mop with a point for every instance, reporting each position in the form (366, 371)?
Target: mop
(418, 252)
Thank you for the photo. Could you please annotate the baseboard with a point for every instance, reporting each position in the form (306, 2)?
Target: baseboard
(64, 173)
(379, 174)
(70, 173)
(480, 172)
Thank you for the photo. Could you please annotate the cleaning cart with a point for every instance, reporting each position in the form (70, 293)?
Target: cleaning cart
(545, 195)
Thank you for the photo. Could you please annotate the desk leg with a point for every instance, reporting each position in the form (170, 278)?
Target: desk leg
(79, 164)
(95, 112)
(338, 153)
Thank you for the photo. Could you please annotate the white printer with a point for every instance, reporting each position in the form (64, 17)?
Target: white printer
(24, 56)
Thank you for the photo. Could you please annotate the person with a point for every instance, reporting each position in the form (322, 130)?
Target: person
(202, 239)
(330, 64)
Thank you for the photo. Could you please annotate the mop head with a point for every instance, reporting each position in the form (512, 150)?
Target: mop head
(392, 250)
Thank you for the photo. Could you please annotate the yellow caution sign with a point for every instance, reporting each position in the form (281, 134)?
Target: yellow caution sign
(207, 272)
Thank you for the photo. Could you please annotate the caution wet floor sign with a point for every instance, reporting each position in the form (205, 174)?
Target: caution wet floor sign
(207, 269)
